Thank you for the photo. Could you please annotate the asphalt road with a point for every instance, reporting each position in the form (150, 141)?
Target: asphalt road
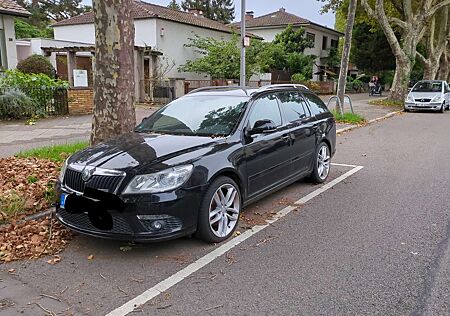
(376, 243)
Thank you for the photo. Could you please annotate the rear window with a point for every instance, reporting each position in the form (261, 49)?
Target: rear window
(316, 104)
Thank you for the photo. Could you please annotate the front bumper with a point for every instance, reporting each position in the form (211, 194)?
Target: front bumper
(175, 213)
(429, 106)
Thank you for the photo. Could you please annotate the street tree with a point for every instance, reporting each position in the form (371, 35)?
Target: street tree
(412, 20)
(444, 65)
(174, 5)
(293, 40)
(346, 51)
(114, 112)
(436, 40)
(217, 10)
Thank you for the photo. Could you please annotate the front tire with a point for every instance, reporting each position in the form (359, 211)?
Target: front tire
(322, 164)
(442, 110)
(220, 210)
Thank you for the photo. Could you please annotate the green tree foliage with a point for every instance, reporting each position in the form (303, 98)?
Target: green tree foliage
(221, 59)
(43, 12)
(36, 64)
(293, 40)
(26, 30)
(217, 10)
(370, 50)
(174, 5)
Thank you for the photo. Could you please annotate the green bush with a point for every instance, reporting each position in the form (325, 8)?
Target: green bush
(14, 104)
(36, 64)
(39, 87)
(298, 78)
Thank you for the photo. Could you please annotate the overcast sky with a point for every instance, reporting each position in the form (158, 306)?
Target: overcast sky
(308, 9)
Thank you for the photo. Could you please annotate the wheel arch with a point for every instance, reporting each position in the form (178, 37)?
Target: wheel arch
(232, 174)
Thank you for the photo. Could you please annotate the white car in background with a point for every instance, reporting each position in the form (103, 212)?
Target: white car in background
(433, 95)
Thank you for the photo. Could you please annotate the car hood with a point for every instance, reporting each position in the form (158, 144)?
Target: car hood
(425, 95)
(136, 150)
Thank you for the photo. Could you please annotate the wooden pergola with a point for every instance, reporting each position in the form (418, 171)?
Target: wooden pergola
(140, 54)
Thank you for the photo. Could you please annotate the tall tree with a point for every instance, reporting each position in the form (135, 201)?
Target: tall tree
(293, 40)
(412, 20)
(444, 65)
(346, 52)
(218, 10)
(174, 5)
(436, 40)
(114, 112)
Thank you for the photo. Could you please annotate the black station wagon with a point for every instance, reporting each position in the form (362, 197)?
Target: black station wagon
(192, 166)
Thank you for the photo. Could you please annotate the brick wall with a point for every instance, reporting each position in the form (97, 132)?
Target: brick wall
(81, 101)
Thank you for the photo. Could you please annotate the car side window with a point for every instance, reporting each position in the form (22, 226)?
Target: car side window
(293, 105)
(265, 108)
(316, 104)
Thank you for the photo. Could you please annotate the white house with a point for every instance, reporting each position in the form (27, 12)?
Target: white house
(9, 9)
(269, 25)
(163, 29)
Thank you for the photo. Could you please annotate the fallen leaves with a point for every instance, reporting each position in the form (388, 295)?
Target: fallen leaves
(32, 239)
(26, 186)
(90, 257)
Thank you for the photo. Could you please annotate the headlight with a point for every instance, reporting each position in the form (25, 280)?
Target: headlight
(409, 98)
(63, 171)
(438, 98)
(161, 181)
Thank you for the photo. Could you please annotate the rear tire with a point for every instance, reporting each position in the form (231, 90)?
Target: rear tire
(322, 164)
(220, 211)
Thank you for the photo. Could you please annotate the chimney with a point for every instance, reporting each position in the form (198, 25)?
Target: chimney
(196, 12)
(249, 15)
(282, 9)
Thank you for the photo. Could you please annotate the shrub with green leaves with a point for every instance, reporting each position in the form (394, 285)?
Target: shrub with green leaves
(39, 87)
(36, 64)
(14, 104)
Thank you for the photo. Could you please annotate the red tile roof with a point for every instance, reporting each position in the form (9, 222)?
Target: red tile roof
(143, 10)
(276, 18)
(12, 8)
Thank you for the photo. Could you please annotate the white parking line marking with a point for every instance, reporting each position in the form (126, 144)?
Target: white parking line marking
(343, 165)
(176, 278)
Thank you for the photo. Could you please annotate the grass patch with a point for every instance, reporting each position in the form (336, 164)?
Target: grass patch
(348, 118)
(11, 205)
(56, 153)
(386, 102)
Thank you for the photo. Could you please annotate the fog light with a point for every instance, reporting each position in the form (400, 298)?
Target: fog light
(157, 225)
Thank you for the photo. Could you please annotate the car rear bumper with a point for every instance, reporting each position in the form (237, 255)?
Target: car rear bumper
(175, 214)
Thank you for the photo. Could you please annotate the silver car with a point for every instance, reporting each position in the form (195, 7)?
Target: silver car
(433, 95)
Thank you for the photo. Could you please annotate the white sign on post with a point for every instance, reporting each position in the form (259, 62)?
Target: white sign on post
(80, 78)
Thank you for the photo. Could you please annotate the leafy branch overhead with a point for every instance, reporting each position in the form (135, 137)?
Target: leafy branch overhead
(221, 58)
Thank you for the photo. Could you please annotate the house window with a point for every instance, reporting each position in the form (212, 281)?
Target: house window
(334, 43)
(325, 43)
(312, 38)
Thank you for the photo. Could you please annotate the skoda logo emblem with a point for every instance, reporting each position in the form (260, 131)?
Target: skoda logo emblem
(87, 173)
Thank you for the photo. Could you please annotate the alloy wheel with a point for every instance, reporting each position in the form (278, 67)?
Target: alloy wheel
(323, 162)
(224, 210)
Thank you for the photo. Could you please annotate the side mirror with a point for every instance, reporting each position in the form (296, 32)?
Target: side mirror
(263, 126)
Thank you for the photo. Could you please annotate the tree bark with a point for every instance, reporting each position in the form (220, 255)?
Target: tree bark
(114, 111)
(444, 65)
(346, 53)
(412, 28)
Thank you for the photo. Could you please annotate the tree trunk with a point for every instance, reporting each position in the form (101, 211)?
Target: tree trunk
(401, 79)
(346, 53)
(444, 66)
(114, 112)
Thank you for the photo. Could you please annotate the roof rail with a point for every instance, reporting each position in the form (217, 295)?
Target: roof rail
(284, 85)
(213, 88)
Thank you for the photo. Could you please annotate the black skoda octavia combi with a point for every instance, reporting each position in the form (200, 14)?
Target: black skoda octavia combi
(192, 166)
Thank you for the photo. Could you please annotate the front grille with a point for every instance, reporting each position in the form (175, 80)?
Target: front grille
(120, 225)
(423, 100)
(73, 180)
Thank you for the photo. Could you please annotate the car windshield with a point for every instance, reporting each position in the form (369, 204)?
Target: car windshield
(428, 87)
(196, 115)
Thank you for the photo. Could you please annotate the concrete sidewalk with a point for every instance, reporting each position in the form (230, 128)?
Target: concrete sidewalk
(16, 136)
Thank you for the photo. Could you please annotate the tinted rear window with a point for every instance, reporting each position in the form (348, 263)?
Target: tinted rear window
(316, 104)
